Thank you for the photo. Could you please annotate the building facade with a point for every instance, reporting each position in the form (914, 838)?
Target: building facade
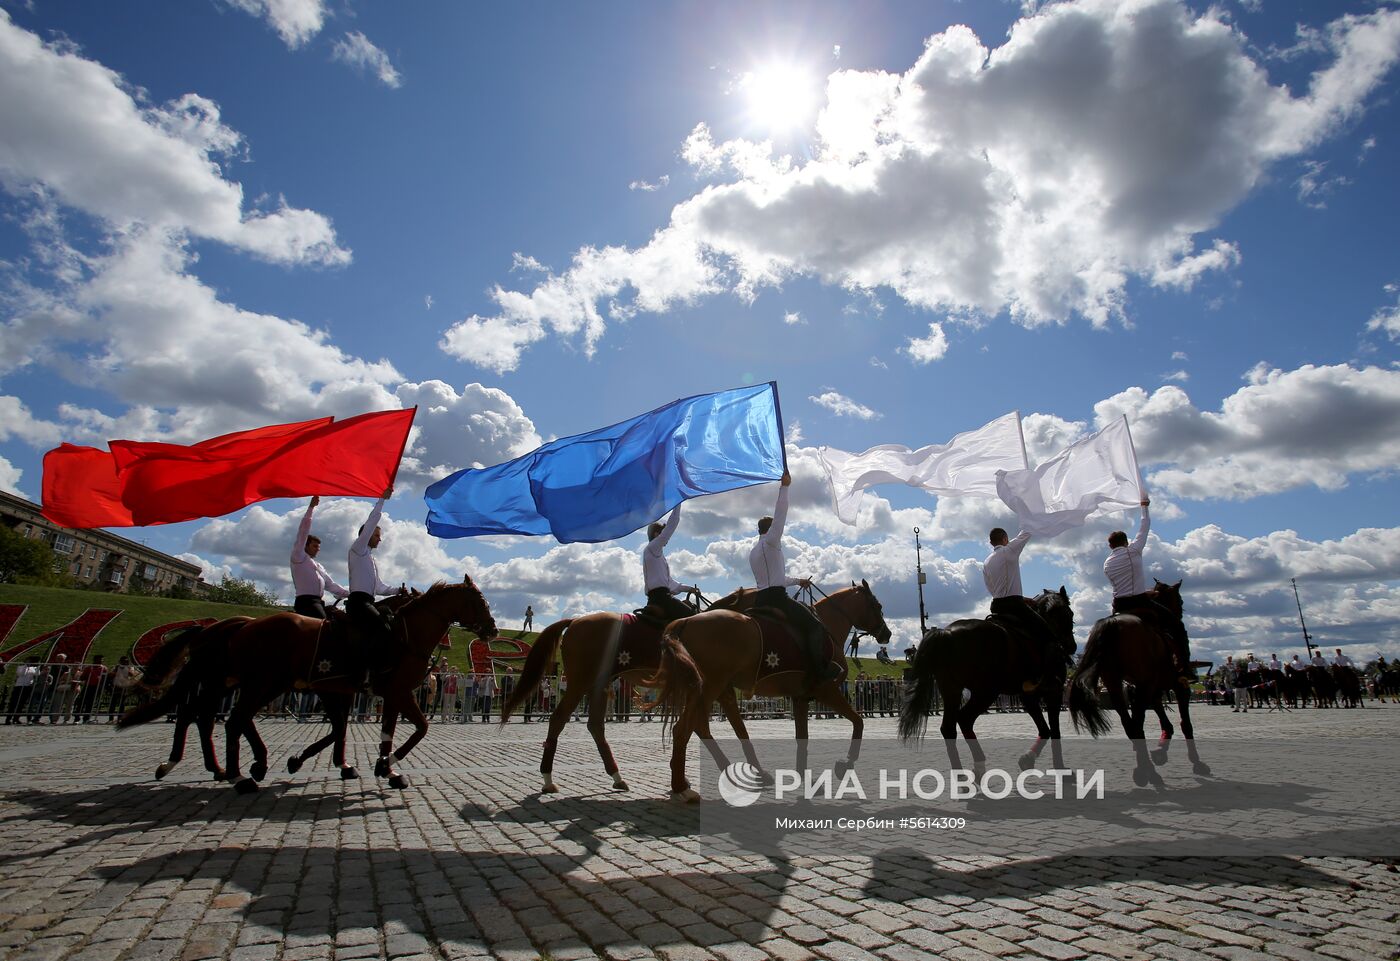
(101, 558)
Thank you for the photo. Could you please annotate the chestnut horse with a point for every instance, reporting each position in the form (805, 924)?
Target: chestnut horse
(979, 655)
(704, 658)
(274, 654)
(1124, 649)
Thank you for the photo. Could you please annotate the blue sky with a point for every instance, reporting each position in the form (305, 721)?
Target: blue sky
(532, 223)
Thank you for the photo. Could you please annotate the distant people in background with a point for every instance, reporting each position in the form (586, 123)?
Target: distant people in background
(486, 689)
(529, 619)
(1297, 664)
(1273, 663)
(1319, 661)
(65, 691)
(468, 689)
(21, 692)
(94, 678)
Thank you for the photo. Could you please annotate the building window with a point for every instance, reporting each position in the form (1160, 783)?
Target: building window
(92, 550)
(103, 558)
(114, 577)
(87, 572)
(149, 572)
(63, 543)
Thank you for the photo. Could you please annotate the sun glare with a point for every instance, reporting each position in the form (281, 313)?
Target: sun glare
(780, 96)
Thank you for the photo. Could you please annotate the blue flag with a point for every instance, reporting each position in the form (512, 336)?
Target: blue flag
(608, 483)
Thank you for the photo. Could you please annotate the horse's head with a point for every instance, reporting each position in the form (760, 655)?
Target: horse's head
(1055, 608)
(464, 605)
(1169, 596)
(869, 614)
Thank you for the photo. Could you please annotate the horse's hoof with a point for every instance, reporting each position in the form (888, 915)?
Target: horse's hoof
(246, 786)
(765, 779)
(349, 773)
(219, 775)
(381, 767)
(163, 770)
(688, 796)
(293, 765)
(258, 770)
(549, 788)
(398, 782)
(1025, 761)
(1201, 768)
(1140, 776)
(1159, 757)
(620, 785)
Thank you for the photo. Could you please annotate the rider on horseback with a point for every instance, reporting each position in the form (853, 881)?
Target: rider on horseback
(656, 572)
(1002, 574)
(1123, 568)
(371, 624)
(308, 576)
(769, 571)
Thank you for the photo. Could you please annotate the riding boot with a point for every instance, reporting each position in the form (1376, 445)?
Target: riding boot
(1187, 672)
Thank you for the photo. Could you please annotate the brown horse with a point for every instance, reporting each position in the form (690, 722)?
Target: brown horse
(1125, 650)
(705, 658)
(274, 654)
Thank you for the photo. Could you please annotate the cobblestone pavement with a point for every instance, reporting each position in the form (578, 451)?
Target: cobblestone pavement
(102, 862)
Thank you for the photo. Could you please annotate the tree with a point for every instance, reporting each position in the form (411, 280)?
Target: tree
(23, 557)
(235, 590)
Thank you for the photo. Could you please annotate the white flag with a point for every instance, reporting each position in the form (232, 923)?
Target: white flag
(967, 464)
(1097, 475)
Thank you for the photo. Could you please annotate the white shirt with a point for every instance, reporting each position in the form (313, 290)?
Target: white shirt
(1001, 571)
(1297, 664)
(1253, 667)
(1123, 568)
(308, 576)
(766, 558)
(1318, 660)
(656, 572)
(364, 573)
(24, 677)
(1341, 660)
(1273, 664)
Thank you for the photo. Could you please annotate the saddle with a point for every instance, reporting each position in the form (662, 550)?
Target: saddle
(638, 645)
(781, 651)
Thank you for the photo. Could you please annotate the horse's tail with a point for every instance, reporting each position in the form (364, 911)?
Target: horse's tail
(1084, 710)
(677, 677)
(540, 657)
(163, 662)
(918, 699)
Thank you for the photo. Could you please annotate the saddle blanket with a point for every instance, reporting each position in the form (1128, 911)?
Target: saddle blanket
(638, 648)
(781, 652)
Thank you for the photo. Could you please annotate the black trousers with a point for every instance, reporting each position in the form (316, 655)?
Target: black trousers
(1043, 647)
(1153, 610)
(668, 604)
(370, 625)
(810, 631)
(311, 605)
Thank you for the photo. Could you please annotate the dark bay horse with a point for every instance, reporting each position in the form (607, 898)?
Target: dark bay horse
(981, 656)
(705, 658)
(1123, 649)
(271, 655)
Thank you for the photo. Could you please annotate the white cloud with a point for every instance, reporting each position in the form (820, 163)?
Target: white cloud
(792, 318)
(1178, 376)
(925, 350)
(646, 187)
(1034, 178)
(1314, 187)
(843, 406)
(477, 427)
(9, 478)
(1314, 426)
(1179, 355)
(72, 126)
(359, 51)
(427, 301)
(1387, 319)
(296, 21)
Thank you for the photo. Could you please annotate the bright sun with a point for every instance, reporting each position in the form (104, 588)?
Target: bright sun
(780, 96)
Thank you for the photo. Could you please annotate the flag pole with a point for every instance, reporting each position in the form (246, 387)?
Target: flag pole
(1025, 461)
(1133, 447)
(404, 446)
(778, 410)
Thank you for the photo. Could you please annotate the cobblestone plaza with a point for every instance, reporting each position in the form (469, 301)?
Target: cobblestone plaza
(103, 862)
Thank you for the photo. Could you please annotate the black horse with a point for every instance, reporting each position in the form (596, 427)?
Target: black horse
(983, 657)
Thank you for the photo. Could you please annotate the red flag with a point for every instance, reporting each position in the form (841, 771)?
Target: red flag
(81, 488)
(166, 483)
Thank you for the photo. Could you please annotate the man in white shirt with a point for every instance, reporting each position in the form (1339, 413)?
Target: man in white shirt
(1341, 660)
(661, 587)
(1131, 595)
(1297, 664)
(1001, 572)
(770, 574)
(1319, 661)
(309, 578)
(1274, 664)
(371, 623)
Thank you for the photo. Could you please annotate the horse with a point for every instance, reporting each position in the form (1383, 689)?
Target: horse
(980, 655)
(1348, 686)
(705, 657)
(194, 693)
(272, 655)
(1125, 649)
(1323, 685)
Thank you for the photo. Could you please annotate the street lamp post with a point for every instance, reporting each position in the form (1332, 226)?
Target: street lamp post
(923, 579)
